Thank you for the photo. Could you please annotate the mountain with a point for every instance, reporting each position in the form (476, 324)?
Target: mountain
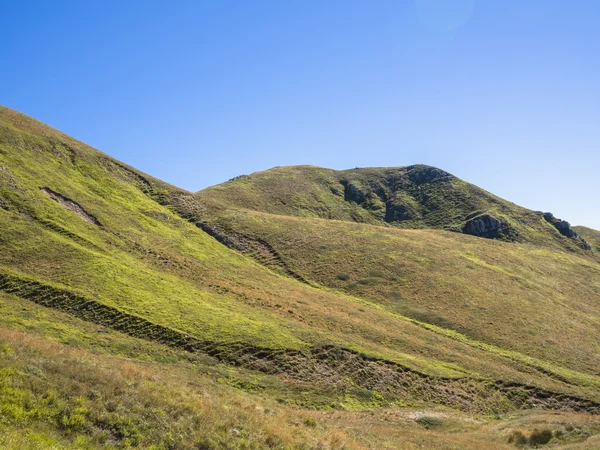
(139, 315)
(413, 197)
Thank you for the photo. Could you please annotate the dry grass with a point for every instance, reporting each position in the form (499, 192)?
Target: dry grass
(537, 301)
(99, 400)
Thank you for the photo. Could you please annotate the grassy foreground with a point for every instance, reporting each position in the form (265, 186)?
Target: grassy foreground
(66, 384)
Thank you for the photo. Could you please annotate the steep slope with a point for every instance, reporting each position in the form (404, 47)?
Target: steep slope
(404, 197)
(155, 294)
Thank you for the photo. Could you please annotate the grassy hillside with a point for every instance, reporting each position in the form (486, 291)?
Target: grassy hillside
(538, 301)
(137, 314)
(404, 197)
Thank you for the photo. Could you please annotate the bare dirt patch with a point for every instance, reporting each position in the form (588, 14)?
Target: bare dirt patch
(70, 204)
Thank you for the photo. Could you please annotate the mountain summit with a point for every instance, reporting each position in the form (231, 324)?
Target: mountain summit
(416, 197)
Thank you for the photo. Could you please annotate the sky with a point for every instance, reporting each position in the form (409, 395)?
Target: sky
(502, 93)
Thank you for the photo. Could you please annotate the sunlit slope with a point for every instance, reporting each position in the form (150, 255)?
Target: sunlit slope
(138, 266)
(141, 258)
(414, 197)
(539, 301)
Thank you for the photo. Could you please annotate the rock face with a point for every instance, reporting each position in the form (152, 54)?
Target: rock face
(483, 226)
(397, 213)
(427, 175)
(398, 195)
(422, 196)
(352, 193)
(565, 229)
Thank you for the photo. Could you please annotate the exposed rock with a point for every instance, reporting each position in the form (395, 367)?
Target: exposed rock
(565, 229)
(396, 213)
(352, 193)
(483, 226)
(238, 178)
(4, 204)
(426, 175)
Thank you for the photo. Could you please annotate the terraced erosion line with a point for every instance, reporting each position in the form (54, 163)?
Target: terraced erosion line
(51, 226)
(319, 364)
(141, 181)
(574, 378)
(257, 249)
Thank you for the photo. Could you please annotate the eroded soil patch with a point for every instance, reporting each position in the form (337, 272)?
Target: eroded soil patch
(70, 204)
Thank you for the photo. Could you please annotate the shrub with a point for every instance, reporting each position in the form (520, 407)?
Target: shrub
(273, 442)
(540, 437)
(517, 438)
(536, 439)
(310, 422)
(206, 444)
(343, 276)
(430, 421)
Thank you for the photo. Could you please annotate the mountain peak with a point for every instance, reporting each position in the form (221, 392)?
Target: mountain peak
(415, 196)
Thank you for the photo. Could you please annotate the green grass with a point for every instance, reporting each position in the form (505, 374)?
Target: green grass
(299, 314)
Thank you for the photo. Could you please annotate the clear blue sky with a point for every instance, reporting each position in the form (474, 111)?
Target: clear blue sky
(503, 93)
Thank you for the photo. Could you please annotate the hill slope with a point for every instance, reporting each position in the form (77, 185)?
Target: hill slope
(540, 301)
(137, 314)
(403, 197)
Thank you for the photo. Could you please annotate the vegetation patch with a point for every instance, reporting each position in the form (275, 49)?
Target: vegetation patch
(430, 421)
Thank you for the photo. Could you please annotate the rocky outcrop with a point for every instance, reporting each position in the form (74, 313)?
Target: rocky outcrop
(397, 213)
(424, 174)
(485, 226)
(352, 193)
(565, 229)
